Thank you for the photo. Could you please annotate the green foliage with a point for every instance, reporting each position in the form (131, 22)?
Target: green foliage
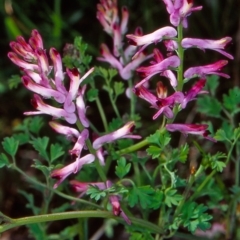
(95, 193)
(10, 145)
(14, 81)
(209, 106)
(212, 84)
(146, 196)
(171, 197)
(3, 160)
(92, 94)
(56, 151)
(193, 216)
(160, 139)
(40, 145)
(232, 100)
(122, 167)
(215, 161)
(180, 154)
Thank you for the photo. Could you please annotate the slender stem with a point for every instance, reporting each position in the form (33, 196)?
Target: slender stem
(11, 223)
(113, 102)
(181, 57)
(137, 173)
(100, 109)
(133, 148)
(102, 114)
(132, 99)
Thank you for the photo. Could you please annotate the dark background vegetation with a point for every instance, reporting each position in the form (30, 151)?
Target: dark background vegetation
(59, 21)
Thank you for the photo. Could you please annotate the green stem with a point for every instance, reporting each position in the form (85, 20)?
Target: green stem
(113, 102)
(181, 56)
(133, 148)
(11, 223)
(102, 114)
(132, 99)
(100, 109)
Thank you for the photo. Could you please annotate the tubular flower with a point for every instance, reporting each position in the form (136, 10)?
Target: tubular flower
(43, 91)
(196, 129)
(159, 67)
(74, 167)
(179, 10)
(44, 108)
(75, 82)
(77, 149)
(81, 108)
(202, 71)
(163, 105)
(216, 45)
(193, 92)
(154, 37)
(71, 133)
(123, 132)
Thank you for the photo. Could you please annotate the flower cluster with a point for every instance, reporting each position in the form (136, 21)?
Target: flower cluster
(47, 82)
(119, 57)
(169, 105)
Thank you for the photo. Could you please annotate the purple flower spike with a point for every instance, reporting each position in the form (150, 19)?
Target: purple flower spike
(202, 71)
(74, 167)
(193, 92)
(124, 132)
(195, 129)
(53, 111)
(216, 45)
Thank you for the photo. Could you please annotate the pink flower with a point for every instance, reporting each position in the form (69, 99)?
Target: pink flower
(81, 108)
(193, 92)
(123, 132)
(44, 108)
(75, 81)
(216, 45)
(43, 91)
(70, 133)
(179, 10)
(74, 167)
(202, 71)
(116, 208)
(154, 37)
(77, 149)
(160, 67)
(195, 129)
(163, 105)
